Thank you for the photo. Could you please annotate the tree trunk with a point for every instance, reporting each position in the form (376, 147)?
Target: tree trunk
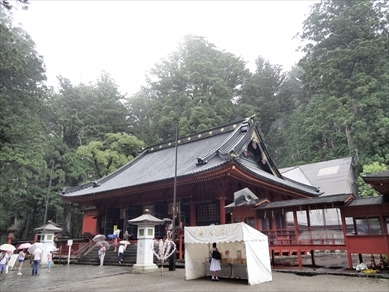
(349, 138)
(27, 225)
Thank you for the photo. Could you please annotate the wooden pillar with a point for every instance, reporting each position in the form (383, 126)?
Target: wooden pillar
(297, 241)
(309, 226)
(180, 242)
(299, 259)
(344, 228)
(296, 228)
(222, 203)
(310, 235)
(193, 221)
(313, 257)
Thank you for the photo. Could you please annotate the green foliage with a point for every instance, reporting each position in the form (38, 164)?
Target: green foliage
(346, 74)
(364, 189)
(102, 158)
(23, 135)
(84, 113)
(196, 87)
(7, 4)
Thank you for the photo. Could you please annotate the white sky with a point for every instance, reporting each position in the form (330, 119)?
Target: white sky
(79, 39)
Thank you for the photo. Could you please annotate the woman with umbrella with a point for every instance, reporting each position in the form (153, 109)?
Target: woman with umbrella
(4, 258)
(102, 251)
(22, 256)
(6, 251)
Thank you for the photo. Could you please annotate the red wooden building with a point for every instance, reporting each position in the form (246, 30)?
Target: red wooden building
(210, 170)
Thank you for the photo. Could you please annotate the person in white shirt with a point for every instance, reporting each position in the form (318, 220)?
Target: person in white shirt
(121, 253)
(4, 258)
(37, 256)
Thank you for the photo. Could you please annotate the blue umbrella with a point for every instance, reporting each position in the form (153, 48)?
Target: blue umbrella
(111, 236)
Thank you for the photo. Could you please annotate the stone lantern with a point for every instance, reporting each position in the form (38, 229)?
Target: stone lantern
(146, 231)
(45, 235)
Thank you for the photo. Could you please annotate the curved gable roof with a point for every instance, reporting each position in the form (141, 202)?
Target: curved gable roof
(196, 154)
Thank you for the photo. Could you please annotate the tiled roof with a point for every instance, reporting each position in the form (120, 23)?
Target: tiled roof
(370, 201)
(197, 153)
(332, 177)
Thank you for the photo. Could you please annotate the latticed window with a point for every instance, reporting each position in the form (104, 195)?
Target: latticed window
(368, 226)
(208, 214)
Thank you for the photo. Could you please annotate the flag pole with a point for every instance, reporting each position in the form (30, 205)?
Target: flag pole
(172, 260)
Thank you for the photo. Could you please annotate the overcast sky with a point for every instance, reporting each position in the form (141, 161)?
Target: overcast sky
(79, 39)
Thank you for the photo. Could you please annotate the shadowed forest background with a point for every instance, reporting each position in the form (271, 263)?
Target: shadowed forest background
(334, 103)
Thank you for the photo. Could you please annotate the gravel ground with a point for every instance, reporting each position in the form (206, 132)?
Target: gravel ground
(117, 278)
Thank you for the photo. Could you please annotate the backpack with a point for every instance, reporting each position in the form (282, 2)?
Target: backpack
(216, 255)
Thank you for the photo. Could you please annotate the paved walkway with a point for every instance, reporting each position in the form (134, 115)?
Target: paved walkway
(117, 278)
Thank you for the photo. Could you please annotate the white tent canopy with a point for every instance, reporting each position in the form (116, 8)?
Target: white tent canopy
(233, 241)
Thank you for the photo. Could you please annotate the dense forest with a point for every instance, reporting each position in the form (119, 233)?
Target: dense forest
(333, 104)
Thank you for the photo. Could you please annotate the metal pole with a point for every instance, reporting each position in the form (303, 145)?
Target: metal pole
(172, 259)
(175, 185)
(48, 193)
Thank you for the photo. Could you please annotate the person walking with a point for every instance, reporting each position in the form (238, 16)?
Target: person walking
(121, 253)
(37, 256)
(115, 243)
(49, 261)
(215, 262)
(102, 254)
(21, 257)
(4, 258)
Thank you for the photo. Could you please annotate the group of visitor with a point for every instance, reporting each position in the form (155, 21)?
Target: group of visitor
(36, 258)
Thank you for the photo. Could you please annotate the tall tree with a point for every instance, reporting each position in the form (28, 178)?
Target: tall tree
(103, 157)
(260, 94)
(23, 135)
(196, 80)
(85, 113)
(345, 71)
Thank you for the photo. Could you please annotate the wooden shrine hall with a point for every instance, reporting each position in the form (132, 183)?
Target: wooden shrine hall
(212, 170)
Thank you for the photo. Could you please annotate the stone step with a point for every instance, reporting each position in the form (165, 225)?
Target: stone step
(111, 257)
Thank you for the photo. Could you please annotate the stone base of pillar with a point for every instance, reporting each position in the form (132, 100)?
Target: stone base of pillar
(144, 268)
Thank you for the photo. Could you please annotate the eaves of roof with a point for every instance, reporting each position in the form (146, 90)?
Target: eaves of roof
(379, 200)
(313, 203)
(294, 186)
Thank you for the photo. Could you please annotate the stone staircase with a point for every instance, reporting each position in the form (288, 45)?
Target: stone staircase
(111, 257)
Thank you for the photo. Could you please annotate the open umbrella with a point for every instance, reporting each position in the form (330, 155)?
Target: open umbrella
(24, 245)
(125, 242)
(99, 237)
(34, 246)
(51, 248)
(106, 244)
(112, 236)
(7, 247)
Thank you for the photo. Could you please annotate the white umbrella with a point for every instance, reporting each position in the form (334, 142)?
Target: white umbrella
(24, 245)
(7, 247)
(99, 237)
(106, 244)
(51, 248)
(34, 246)
(125, 242)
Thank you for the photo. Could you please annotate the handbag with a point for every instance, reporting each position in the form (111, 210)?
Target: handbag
(216, 255)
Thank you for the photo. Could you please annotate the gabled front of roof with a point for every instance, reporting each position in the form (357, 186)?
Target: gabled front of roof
(199, 155)
(332, 177)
